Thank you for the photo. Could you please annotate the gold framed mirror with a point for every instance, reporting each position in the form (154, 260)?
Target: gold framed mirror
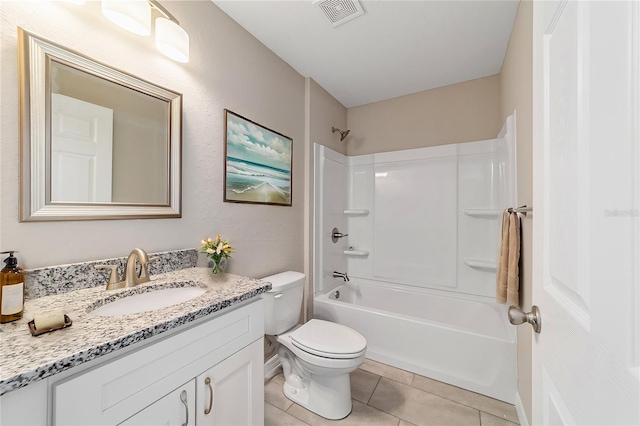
(96, 143)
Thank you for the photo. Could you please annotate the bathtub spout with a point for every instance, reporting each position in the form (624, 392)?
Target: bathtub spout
(342, 275)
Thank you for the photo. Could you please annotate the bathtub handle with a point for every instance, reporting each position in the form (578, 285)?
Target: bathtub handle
(517, 317)
(277, 296)
(336, 235)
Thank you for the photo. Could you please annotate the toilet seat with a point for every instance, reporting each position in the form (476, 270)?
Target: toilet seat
(329, 340)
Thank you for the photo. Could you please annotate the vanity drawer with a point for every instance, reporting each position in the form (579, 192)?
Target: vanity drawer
(110, 393)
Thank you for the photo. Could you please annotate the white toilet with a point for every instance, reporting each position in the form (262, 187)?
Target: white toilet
(316, 357)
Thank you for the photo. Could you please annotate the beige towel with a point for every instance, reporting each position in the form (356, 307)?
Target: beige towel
(508, 274)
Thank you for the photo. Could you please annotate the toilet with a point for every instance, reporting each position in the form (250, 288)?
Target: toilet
(317, 356)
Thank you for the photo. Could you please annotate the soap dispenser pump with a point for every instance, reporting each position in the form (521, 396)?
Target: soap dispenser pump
(11, 290)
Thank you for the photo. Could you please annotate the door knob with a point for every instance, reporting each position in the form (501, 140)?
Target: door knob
(517, 317)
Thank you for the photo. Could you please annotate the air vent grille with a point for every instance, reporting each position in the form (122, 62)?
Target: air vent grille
(340, 11)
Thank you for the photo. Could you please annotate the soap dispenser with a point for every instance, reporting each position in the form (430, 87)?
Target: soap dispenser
(11, 290)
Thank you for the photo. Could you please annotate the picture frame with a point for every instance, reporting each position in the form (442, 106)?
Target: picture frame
(257, 163)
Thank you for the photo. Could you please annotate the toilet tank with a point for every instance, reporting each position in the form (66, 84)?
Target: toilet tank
(282, 304)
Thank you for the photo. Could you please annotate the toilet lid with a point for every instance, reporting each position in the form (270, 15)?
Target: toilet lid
(329, 339)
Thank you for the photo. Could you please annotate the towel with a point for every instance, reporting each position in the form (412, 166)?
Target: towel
(508, 274)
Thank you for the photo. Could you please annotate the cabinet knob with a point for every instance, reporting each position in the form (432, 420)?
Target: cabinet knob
(207, 382)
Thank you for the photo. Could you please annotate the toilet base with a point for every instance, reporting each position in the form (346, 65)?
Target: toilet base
(323, 395)
(318, 383)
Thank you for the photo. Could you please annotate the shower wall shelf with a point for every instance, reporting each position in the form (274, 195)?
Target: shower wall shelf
(482, 212)
(481, 264)
(356, 252)
(356, 212)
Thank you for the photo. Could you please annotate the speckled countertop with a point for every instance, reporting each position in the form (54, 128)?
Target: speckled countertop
(25, 359)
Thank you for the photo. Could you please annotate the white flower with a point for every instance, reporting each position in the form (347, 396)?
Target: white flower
(210, 251)
(219, 248)
(209, 240)
(203, 243)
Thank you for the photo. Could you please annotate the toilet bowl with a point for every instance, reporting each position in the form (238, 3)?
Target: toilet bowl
(317, 356)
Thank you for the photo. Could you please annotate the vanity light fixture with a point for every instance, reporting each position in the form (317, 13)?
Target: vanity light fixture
(132, 15)
(171, 39)
(135, 16)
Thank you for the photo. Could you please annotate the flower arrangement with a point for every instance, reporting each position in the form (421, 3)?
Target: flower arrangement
(218, 251)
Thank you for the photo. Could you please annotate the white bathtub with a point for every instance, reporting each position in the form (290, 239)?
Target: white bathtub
(465, 343)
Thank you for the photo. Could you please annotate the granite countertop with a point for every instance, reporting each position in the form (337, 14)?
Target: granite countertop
(26, 359)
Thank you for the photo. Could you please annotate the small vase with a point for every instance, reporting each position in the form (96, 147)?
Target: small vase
(218, 267)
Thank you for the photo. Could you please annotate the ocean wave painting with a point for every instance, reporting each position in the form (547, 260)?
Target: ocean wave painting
(258, 163)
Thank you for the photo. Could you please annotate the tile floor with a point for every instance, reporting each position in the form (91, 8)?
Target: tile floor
(384, 395)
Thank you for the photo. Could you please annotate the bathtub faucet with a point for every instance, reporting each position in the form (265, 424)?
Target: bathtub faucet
(342, 275)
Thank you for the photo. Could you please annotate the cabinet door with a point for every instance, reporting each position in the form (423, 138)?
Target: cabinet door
(176, 408)
(232, 392)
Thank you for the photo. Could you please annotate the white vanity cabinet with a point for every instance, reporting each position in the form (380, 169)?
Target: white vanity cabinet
(144, 385)
(229, 394)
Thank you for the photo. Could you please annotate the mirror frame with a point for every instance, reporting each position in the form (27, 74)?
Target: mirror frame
(34, 58)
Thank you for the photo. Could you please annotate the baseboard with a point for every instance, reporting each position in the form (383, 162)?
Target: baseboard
(272, 367)
(522, 416)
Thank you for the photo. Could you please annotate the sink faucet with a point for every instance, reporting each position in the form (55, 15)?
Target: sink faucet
(131, 276)
(342, 275)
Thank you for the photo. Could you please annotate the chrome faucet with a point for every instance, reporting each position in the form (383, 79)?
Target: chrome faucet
(342, 275)
(131, 276)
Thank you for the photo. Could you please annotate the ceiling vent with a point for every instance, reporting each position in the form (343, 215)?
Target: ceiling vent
(339, 11)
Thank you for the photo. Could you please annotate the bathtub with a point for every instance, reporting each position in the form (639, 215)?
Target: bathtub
(465, 343)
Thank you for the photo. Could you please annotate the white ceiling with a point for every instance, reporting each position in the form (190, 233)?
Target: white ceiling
(394, 49)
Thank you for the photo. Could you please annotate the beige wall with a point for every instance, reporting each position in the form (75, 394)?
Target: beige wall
(462, 112)
(228, 69)
(326, 112)
(516, 82)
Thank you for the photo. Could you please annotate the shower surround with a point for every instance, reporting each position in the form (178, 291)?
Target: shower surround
(423, 230)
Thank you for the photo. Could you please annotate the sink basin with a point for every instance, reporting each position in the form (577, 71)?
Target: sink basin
(149, 301)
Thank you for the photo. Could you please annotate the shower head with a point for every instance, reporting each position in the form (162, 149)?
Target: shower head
(342, 134)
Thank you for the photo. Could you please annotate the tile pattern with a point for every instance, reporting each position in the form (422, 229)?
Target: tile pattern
(472, 399)
(419, 407)
(92, 336)
(385, 395)
(61, 279)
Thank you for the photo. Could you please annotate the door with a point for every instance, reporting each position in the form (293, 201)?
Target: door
(175, 409)
(81, 150)
(586, 212)
(232, 392)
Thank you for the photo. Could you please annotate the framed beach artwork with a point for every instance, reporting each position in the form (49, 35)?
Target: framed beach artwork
(257, 163)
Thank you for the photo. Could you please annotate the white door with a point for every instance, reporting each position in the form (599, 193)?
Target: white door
(81, 150)
(586, 212)
(232, 392)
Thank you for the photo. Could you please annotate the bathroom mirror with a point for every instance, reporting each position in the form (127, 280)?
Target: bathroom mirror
(96, 143)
